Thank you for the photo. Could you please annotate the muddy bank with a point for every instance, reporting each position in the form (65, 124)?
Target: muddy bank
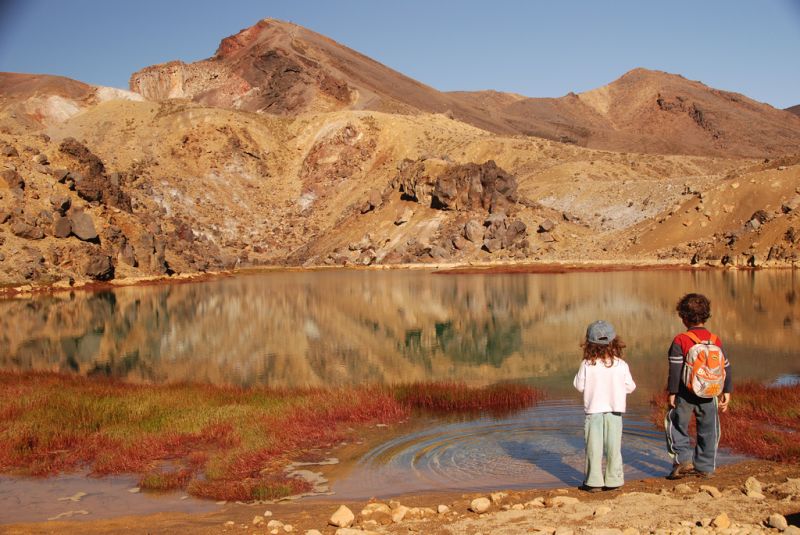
(653, 505)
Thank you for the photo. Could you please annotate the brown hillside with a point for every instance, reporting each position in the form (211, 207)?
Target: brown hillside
(280, 68)
(794, 109)
(653, 112)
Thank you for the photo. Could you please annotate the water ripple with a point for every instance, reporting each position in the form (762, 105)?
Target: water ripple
(539, 447)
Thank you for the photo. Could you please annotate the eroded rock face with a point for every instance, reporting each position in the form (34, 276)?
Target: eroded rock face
(460, 187)
(99, 267)
(91, 182)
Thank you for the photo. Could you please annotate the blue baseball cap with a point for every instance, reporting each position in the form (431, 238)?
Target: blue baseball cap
(600, 332)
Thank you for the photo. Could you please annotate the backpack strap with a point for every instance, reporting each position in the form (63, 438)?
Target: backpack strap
(713, 339)
(693, 337)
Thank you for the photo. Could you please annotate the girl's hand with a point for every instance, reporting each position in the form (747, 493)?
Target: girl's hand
(671, 401)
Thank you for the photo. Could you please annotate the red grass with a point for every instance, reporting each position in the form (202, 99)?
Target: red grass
(53, 423)
(762, 421)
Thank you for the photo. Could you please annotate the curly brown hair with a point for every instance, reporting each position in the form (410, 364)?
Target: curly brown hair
(694, 309)
(605, 352)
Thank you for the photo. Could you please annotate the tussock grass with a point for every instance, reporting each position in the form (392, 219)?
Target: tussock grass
(224, 443)
(762, 421)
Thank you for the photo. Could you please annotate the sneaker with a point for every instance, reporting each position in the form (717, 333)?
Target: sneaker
(681, 470)
(704, 475)
(587, 488)
(612, 488)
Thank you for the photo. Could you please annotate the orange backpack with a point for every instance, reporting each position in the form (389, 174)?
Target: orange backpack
(704, 367)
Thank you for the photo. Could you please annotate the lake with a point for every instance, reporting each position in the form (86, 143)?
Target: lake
(295, 329)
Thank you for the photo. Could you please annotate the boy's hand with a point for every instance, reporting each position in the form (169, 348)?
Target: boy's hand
(724, 399)
(671, 401)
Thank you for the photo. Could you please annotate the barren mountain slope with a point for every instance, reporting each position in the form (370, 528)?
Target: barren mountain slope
(175, 186)
(654, 112)
(280, 68)
(35, 100)
(794, 109)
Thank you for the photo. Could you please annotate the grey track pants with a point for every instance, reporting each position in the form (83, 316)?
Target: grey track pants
(679, 444)
(603, 433)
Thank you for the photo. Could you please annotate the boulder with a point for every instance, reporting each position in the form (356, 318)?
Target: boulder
(99, 267)
(343, 517)
(399, 513)
(13, 179)
(128, 256)
(83, 226)
(515, 232)
(777, 521)
(721, 521)
(460, 243)
(442, 509)
(91, 183)
(474, 231)
(26, 231)
(480, 505)
(40, 159)
(558, 501)
(62, 227)
(493, 244)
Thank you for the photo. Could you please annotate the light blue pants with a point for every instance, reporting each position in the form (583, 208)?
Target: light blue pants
(603, 433)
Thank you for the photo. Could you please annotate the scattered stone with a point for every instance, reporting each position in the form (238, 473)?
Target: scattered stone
(274, 524)
(753, 488)
(535, 503)
(460, 243)
(342, 518)
(546, 226)
(480, 505)
(83, 226)
(517, 507)
(792, 530)
(683, 488)
(313, 532)
(558, 501)
(62, 227)
(721, 521)
(258, 520)
(13, 179)
(267, 514)
(791, 205)
(777, 521)
(40, 159)
(288, 528)
(26, 231)
(547, 237)
(230, 523)
(399, 513)
(134, 490)
(474, 231)
(442, 509)
(493, 245)
(711, 490)
(8, 150)
(404, 217)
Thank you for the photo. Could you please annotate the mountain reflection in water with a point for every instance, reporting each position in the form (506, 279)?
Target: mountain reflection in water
(351, 327)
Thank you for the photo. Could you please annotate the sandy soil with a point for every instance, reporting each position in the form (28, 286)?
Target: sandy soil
(652, 505)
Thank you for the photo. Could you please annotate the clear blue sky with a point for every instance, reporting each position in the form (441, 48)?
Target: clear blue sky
(531, 47)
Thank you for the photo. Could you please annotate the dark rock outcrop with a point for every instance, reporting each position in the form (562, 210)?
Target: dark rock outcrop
(461, 187)
(83, 226)
(99, 267)
(91, 182)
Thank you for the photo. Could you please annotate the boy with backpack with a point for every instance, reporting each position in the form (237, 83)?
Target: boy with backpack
(699, 383)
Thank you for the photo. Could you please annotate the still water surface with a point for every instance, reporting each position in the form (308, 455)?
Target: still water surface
(354, 327)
